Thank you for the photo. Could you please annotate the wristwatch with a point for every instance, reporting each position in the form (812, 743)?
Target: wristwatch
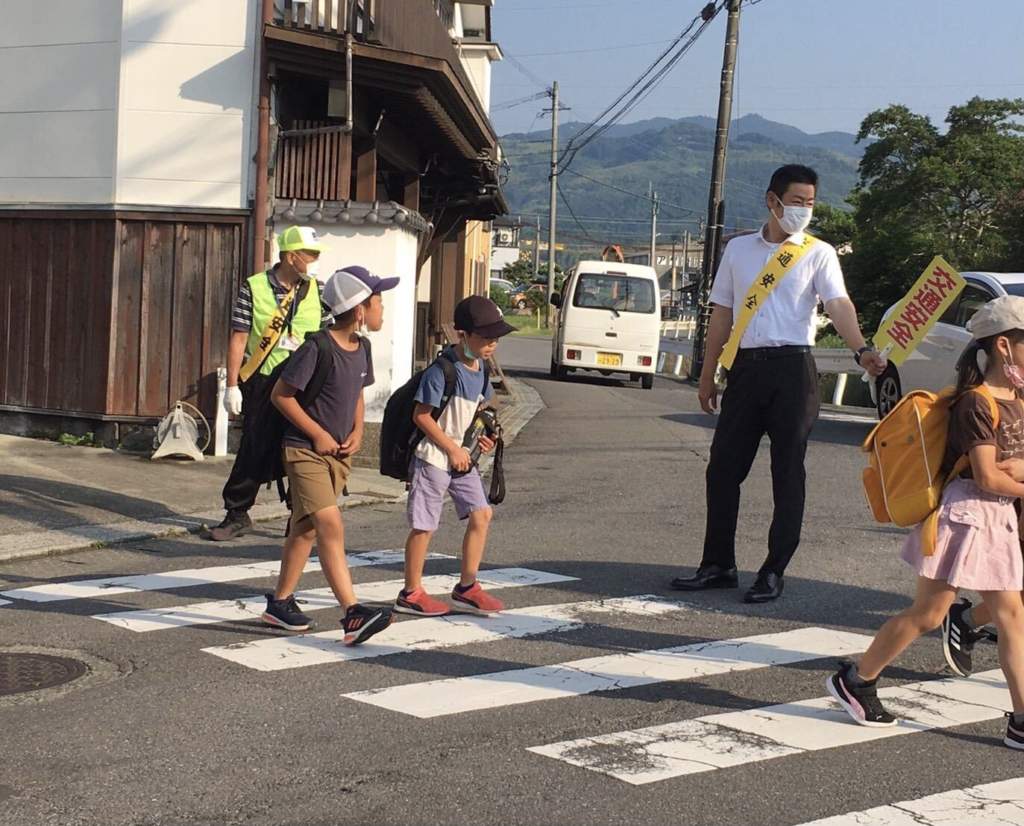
(865, 349)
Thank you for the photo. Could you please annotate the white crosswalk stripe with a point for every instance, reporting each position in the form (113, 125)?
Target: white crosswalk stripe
(992, 803)
(425, 634)
(185, 578)
(250, 608)
(722, 740)
(617, 671)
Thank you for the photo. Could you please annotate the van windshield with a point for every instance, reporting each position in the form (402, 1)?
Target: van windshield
(608, 291)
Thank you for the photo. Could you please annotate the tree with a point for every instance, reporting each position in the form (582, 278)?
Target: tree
(833, 225)
(922, 192)
(521, 272)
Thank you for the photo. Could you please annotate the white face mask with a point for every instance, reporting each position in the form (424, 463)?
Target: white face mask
(312, 270)
(794, 218)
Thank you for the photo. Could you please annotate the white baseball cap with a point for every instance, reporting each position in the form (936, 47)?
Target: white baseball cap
(1000, 315)
(351, 286)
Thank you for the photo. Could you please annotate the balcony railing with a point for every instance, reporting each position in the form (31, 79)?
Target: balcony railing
(420, 27)
(312, 163)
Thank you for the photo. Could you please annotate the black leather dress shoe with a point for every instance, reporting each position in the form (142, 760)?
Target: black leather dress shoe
(766, 587)
(706, 577)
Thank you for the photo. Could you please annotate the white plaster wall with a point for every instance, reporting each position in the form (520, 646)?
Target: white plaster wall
(186, 108)
(478, 66)
(58, 101)
(384, 251)
(500, 256)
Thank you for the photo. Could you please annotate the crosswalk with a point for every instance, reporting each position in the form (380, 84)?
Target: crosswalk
(637, 757)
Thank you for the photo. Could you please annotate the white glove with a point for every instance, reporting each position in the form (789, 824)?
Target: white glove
(233, 401)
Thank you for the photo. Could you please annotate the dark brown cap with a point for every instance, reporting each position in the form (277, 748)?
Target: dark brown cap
(482, 316)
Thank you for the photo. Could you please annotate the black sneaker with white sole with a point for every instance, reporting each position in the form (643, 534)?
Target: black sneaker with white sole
(361, 622)
(958, 639)
(1014, 731)
(858, 698)
(285, 613)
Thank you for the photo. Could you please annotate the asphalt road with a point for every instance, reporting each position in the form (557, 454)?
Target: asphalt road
(606, 492)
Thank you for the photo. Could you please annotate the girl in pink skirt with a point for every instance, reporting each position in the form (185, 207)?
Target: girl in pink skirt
(978, 544)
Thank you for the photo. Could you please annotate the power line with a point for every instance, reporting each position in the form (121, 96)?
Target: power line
(573, 214)
(669, 204)
(642, 86)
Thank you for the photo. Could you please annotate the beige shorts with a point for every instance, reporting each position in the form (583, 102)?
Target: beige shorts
(315, 482)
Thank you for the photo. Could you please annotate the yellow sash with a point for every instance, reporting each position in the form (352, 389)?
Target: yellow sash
(271, 335)
(767, 280)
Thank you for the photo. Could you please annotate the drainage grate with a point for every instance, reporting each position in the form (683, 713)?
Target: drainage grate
(21, 672)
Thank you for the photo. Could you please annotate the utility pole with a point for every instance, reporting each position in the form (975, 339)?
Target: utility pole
(686, 254)
(672, 296)
(554, 199)
(536, 251)
(716, 204)
(654, 226)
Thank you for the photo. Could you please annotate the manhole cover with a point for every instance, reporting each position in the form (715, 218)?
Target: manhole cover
(21, 672)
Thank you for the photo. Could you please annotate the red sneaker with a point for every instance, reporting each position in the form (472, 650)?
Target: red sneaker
(420, 603)
(476, 600)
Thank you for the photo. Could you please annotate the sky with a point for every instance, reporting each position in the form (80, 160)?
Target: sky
(819, 65)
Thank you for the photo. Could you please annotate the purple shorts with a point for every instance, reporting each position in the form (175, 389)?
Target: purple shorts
(426, 495)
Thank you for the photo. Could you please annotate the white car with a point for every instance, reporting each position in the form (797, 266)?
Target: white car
(503, 284)
(932, 366)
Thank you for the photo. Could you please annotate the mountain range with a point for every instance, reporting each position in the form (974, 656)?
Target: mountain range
(607, 183)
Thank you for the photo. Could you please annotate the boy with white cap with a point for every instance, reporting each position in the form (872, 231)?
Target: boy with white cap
(319, 442)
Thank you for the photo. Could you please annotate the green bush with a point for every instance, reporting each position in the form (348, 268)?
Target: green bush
(500, 297)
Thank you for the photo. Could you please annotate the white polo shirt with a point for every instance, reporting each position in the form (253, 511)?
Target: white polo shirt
(789, 315)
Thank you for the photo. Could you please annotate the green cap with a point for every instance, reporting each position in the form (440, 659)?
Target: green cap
(300, 238)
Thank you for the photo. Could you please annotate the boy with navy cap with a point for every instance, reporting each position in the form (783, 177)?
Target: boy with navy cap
(319, 443)
(442, 465)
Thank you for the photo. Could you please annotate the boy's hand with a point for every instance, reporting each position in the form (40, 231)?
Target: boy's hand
(351, 445)
(486, 444)
(459, 458)
(1014, 467)
(325, 445)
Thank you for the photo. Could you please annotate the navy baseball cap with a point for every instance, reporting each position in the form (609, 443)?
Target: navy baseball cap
(482, 316)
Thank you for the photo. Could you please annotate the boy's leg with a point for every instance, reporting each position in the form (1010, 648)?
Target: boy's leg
(330, 539)
(426, 499)
(294, 557)
(416, 547)
(473, 544)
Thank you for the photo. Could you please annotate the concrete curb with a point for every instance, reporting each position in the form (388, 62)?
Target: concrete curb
(525, 405)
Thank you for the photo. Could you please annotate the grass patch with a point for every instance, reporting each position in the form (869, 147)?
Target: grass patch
(526, 325)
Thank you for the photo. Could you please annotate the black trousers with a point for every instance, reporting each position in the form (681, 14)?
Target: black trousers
(777, 396)
(242, 487)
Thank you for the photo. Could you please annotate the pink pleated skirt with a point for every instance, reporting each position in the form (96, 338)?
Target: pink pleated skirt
(978, 541)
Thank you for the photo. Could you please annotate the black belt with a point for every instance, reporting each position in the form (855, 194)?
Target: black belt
(765, 353)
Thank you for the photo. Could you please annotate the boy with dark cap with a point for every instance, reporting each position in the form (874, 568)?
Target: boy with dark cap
(319, 443)
(442, 465)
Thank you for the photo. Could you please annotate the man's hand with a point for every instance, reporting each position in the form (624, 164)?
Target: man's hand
(707, 394)
(459, 458)
(486, 444)
(1014, 467)
(351, 445)
(874, 362)
(325, 445)
(233, 400)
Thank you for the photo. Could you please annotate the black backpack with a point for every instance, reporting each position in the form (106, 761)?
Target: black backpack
(399, 437)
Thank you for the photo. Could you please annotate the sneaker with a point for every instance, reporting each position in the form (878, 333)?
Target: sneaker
(285, 613)
(859, 701)
(362, 622)
(232, 526)
(476, 600)
(420, 603)
(958, 639)
(1014, 731)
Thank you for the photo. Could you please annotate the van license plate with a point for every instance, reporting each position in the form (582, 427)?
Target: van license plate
(609, 359)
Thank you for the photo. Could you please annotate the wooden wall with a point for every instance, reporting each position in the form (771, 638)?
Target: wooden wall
(116, 315)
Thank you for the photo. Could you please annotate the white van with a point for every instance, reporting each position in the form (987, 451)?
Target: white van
(609, 320)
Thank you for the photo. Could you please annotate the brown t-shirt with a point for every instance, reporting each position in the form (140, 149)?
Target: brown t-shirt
(971, 425)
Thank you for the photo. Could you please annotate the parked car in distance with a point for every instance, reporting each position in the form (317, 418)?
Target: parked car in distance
(522, 295)
(932, 366)
(503, 284)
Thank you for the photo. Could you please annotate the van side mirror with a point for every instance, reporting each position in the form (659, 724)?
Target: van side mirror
(556, 299)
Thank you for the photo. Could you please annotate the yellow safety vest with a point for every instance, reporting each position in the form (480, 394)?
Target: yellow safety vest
(305, 319)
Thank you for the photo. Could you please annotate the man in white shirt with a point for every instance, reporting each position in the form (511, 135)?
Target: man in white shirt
(773, 383)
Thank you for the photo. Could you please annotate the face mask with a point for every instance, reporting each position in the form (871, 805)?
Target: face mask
(312, 269)
(794, 218)
(467, 350)
(1015, 374)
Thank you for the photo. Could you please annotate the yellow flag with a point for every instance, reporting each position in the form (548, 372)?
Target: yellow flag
(909, 322)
